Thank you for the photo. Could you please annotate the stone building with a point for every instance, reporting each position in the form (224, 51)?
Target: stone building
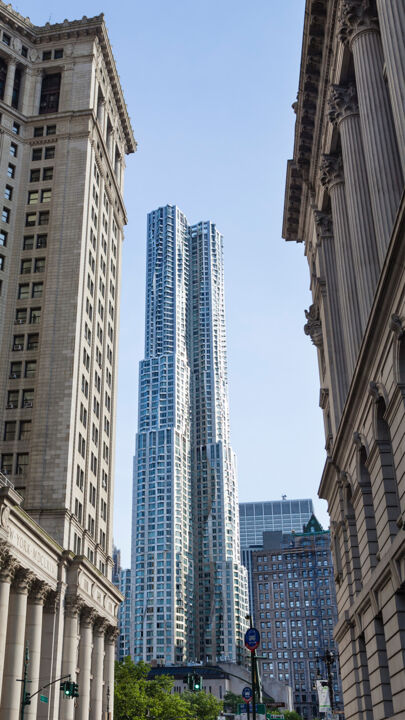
(345, 202)
(64, 133)
(294, 605)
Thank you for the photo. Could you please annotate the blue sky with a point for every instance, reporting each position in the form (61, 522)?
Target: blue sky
(209, 86)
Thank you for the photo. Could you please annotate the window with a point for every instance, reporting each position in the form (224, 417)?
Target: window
(6, 39)
(13, 149)
(28, 242)
(30, 368)
(33, 197)
(20, 316)
(26, 266)
(46, 195)
(37, 289)
(47, 173)
(3, 238)
(28, 398)
(24, 51)
(35, 175)
(22, 463)
(15, 370)
(43, 218)
(51, 129)
(8, 192)
(23, 291)
(49, 101)
(37, 154)
(12, 399)
(11, 170)
(6, 463)
(30, 219)
(5, 215)
(39, 265)
(10, 430)
(33, 341)
(41, 241)
(50, 152)
(16, 128)
(38, 131)
(79, 477)
(2, 262)
(58, 54)
(25, 429)
(35, 316)
(46, 55)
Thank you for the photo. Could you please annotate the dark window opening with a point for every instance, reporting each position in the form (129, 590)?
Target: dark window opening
(16, 88)
(3, 75)
(50, 93)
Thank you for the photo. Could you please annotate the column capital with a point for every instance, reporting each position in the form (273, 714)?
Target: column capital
(331, 170)
(52, 601)
(356, 16)
(23, 579)
(323, 224)
(100, 626)
(87, 616)
(8, 565)
(313, 326)
(342, 103)
(38, 592)
(111, 634)
(73, 605)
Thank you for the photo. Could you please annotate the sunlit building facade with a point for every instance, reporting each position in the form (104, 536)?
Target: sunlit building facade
(189, 588)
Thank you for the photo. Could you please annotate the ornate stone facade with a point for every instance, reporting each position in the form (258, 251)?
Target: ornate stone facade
(345, 188)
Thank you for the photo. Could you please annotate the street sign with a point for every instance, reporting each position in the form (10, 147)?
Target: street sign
(43, 698)
(247, 693)
(242, 708)
(252, 639)
(272, 716)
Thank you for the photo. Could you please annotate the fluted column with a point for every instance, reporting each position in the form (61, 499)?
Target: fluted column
(344, 113)
(73, 605)
(49, 668)
(8, 90)
(334, 331)
(332, 177)
(97, 667)
(359, 28)
(85, 648)
(391, 14)
(7, 569)
(35, 609)
(13, 665)
(109, 661)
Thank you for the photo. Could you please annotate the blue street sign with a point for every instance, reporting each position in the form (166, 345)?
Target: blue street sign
(252, 639)
(247, 693)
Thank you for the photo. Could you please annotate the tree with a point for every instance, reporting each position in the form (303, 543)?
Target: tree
(137, 698)
(292, 715)
(203, 706)
(231, 701)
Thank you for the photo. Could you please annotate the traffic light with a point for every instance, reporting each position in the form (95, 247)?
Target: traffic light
(190, 682)
(75, 692)
(197, 682)
(27, 698)
(70, 689)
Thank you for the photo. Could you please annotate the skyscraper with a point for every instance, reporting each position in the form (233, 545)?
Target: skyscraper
(189, 586)
(65, 132)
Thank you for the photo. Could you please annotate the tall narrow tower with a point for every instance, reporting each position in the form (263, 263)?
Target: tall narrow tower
(189, 587)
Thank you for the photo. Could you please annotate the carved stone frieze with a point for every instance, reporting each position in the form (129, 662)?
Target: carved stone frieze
(356, 16)
(331, 170)
(313, 326)
(342, 102)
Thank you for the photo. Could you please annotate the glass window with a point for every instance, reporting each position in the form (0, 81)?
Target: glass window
(37, 289)
(30, 219)
(24, 51)
(47, 173)
(13, 149)
(46, 195)
(41, 241)
(2, 262)
(20, 316)
(11, 170)
(16, 128)
(28, 242)
(35, 316)
(23, 291)
(6, 463)
(39, 265)
(33, 341)
(18, 342)
(46, 55)
(33, 197)
(37, 154)
(38, 131)
(51, 129)
(25, 429)
(22, 463)
(43, 218)
(50, 152)
(58, 53)
(15, 370)
(26, 266)
(3, 238)
(12, 399)
(8, 192)
(6, 39)
(10, 430)
(5, 215)
(30, 368)
(49, 101)
(35, 175)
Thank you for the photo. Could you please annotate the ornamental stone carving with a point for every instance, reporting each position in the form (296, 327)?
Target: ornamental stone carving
(342, 103)
(357, 16)
(23, 579)
(38, 591)
(100, 626)
(52, 601)
(87, 616)
(112, 633)
(8, 565)
(73, 605)
(313, 326)
(323, 224)
(397, 326)
(331, 170)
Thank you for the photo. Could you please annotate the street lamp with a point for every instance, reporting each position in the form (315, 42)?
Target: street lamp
(328, 658)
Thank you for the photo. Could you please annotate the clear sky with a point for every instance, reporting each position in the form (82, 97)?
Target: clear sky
(209, 86)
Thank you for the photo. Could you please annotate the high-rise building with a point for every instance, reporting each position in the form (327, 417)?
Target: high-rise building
(295, 611)
(65, 132)
(121, 578)
(255, 518)
(284, 515)
(189, 586)
(345, 202)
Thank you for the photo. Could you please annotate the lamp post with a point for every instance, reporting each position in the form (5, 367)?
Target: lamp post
(329, 659)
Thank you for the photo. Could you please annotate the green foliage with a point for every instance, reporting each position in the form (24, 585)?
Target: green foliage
(231, 701)
(136, 698)
(292, 715)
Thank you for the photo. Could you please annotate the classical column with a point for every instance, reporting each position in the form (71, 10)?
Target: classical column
(359, 28)
(334, 331)
(48, 668)
(391, 14)
(33, 638)
(8, 90)
(85, 648)
(73, 605)
(13, 664)
(109, 660)
(331, 176)
(97, 667)
(344, 113)
(7, 569)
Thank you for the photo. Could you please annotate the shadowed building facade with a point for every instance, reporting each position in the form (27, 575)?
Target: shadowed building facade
(345, 203)
(64, 134)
